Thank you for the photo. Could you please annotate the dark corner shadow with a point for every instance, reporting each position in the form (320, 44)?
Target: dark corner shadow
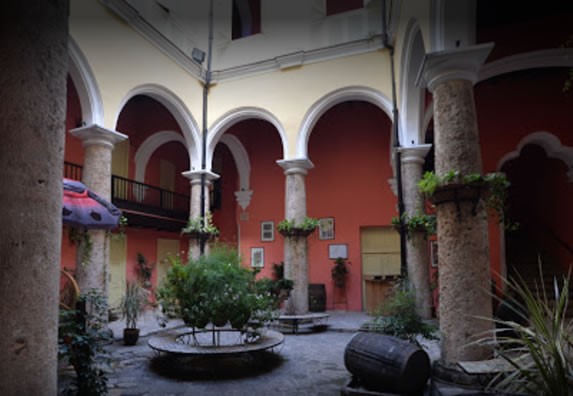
(189, 368)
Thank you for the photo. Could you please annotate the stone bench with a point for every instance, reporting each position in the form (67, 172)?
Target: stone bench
(316, 319)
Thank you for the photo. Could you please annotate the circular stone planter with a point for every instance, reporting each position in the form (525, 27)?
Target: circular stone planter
(200, 235)
(458, 193)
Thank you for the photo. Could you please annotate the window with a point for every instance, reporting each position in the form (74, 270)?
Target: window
(337, 6)
(246, 18)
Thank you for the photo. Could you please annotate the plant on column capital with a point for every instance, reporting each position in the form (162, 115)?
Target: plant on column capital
(289, 228)
(420, 222)
(201, 228)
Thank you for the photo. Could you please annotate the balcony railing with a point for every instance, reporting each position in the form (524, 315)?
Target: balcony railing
(129, 194)
(144, 205)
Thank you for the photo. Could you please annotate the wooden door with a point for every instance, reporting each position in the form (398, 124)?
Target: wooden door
(380, 248)
(165, 248)
(167, 181)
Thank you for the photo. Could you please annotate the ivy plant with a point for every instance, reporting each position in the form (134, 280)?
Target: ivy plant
(201, 226)
(290, 228)
(421, 221)
(496, 184)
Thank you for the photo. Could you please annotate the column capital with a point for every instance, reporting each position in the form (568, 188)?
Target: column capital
(97, 135)
(414, 154)
(296, 165)
(457, 64)
(195, 176)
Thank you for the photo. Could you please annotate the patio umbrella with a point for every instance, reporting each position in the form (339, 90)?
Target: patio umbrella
(84, 208)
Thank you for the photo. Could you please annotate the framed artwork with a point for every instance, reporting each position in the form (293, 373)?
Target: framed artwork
(257, 257)
(337, 250)
(434, 253)
(267, 231)
(326, 228)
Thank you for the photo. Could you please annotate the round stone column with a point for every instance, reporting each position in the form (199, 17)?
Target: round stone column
(34, 67)
(195, 206)
(463, 254)
(416, 243)
(296, 247)
(98, 143)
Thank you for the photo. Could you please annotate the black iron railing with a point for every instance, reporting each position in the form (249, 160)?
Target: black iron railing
(130, 194)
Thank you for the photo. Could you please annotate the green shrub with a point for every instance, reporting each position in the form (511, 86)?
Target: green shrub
(538, 349)
(397, 317)
(215, 289)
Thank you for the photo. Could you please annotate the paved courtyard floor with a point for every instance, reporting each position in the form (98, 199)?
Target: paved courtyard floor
(305, 364)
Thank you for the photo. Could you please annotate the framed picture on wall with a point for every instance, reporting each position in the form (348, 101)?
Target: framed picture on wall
(326, 228)
(257, 257)
(267, 231)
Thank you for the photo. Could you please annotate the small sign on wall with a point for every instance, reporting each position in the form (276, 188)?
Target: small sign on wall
(326, 228)
(337, 250)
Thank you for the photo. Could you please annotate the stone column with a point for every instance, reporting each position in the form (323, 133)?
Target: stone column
(33, 70)
(463, 254)
(416, 243)
(98, 143)
(195, 206)
(296, 248)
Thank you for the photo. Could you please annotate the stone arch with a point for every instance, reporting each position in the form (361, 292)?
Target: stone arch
(148, 147)
(229, 119)
(412, 96)
(328, 101)
(86, 85)
(552, 146)
(179, 111)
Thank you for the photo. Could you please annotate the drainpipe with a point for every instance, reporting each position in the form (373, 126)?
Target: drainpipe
(396, 145)
(206, 87)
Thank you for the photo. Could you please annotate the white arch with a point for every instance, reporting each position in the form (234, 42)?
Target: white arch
(86, 85)
(552, 146)
(557, 57)
(241, 158)
(232, 117)
(412, 96)
(332, 99)
(179, 111)
(148, 147)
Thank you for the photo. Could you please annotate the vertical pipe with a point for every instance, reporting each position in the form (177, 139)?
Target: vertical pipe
(397, 153)
(206, 87)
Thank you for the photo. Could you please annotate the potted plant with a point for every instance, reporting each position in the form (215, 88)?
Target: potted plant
(132, 305)
(289, 228)
(201, 228)
(145, 270)
(339, 272)
(420, 222)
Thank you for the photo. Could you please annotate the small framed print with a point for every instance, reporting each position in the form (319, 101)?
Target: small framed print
(434, 253)
(326, 228)
(267, 231)
(257, 257)
(338, 250)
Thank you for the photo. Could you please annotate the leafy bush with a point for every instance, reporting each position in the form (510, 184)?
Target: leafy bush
(397, 317)
(539, 346)
(80, 337)
(215, 289)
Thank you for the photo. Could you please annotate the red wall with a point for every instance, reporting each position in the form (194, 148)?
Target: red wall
(264, 148)
(226, 217)
(349, 147)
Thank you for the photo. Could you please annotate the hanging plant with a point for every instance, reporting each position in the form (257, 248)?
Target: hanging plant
(288, 228)
(201, 228)
(490, 188)
(81, 239)
(420, 222)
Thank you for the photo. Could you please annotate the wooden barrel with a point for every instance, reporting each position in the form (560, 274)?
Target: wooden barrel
(387, 364)
(316, 297)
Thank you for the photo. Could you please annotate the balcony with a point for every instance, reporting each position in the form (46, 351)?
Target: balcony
(144, 205)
